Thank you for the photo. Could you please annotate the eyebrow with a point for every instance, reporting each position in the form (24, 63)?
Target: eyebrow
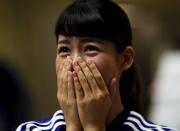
(82, 40)
(63, 41)
(91, 39)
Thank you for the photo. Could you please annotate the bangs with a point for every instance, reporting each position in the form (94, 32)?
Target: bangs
(83, 21)
(104, 20)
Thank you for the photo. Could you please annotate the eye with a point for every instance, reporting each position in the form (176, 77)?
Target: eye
(63, 50)
(91, 48)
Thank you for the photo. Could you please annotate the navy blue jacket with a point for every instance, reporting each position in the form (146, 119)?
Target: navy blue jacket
(125, 121)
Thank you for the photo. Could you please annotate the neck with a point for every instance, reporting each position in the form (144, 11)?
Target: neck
(116, 109)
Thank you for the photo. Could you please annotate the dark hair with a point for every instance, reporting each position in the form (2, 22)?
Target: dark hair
(104, 19)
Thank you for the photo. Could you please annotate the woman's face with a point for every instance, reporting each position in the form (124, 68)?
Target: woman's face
(102, 53)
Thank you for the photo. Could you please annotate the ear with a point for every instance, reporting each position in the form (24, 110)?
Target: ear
(128, 57)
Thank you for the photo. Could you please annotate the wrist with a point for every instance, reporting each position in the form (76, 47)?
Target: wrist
(72, 128)
(95, 128)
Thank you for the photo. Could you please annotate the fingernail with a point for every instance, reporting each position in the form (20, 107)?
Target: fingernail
(75, 63)
(74, 72)
(89, 61)
(79, 58)
(68, 58)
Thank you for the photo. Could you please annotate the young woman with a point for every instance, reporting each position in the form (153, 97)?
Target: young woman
(98, 85)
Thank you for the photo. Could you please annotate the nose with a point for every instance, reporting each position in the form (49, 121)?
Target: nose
(75, 55)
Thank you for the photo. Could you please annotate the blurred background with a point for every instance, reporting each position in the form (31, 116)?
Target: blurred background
(28, 50)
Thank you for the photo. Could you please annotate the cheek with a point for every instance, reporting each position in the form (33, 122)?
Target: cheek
(107, 67)
(107, 70)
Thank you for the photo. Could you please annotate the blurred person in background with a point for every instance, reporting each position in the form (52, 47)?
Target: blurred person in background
(98, 84)
(13, 100)
(165, 88)
(156, 38)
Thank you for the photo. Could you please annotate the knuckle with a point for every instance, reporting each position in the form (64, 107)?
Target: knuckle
(81, 103)
(85, 102)
(90, 100)
(70, 103)
(83, 65)
(98, 77)
(106, 93)
(61, 99)
(89, 76)
(102, 95)
(78, 87)
(78, 68)
(64, 79)
(60, 78)
(58, 96)
(92, 66)
(82, 79)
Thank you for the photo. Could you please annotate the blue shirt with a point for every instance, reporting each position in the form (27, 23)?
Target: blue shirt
(125, 121)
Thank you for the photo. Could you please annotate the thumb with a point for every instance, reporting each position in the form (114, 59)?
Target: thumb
(112, 87)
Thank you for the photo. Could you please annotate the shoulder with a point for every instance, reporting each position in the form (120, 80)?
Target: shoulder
(56, 122)
(136, 122)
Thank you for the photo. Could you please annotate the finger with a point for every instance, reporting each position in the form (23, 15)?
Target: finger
(88, 74)
(61, 66)
(78, 89)
(82, 79)
(64, 76)
(66, 65)
(59, 73)
(60, 78)
(97, 75)
(62, 81)
(71, 90)
(112, 87)
(64, 84)
(69, 64)
(61, 93)
(61, 70)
